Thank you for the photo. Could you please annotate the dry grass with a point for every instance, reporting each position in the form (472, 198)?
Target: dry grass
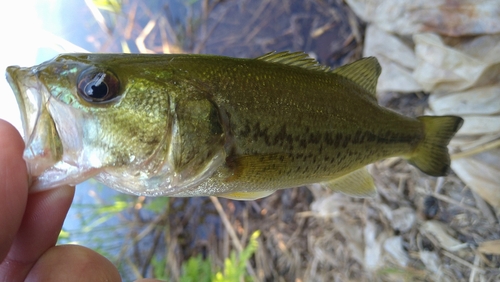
(418, 228)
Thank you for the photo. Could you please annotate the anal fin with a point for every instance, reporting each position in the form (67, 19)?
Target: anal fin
(245, 196)
(358, 183)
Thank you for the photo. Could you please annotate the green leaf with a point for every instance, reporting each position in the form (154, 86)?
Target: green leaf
(235, 267)
(196, 269)
(159, 268)
(157, 204)
(63, 234)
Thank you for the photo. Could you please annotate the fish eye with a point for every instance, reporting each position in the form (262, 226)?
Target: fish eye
(98, 86)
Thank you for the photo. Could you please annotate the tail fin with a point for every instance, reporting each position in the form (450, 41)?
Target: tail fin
(431, 155)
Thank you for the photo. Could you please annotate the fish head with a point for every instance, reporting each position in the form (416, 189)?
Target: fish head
(42, 103)
(92, 115)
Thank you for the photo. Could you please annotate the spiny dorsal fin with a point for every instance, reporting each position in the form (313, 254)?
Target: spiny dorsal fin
(364, 72)
(298, 59)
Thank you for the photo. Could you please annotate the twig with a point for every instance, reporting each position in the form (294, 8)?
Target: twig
(164, 37)
(256, 15)
(99, 18)
(317, 32)
(172, 259)
(151, 253)
(232, 233)
(263, 23)
(127, 32)
(474, 270)
(151, 226)
(484, 208)
(197, 49)
(477, 150)
(439, 185)
(462, 261)
(451, 201)
(134, 268)
(139, 41)
(227, 224)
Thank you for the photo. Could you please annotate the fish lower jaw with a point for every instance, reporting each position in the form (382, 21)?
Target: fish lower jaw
(165, 182)
(37, 162)
(137, 185)
(61, 174)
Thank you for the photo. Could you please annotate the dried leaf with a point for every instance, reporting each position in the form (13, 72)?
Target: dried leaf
(373, 246)
(431, 261)
(456, 64)
(331, 205)
(381, 43)
(335, 205)
(441, 233)
(461, 140)
(481, 173)
(396, 58)
(476, 101)
(452, 18)
(479, 125)
(354, 234)
(490, 247)
(467, 142)
(443, 68)
(403, 219)
(394, 247)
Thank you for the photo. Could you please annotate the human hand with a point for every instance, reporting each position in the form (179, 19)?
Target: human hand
(30, 225)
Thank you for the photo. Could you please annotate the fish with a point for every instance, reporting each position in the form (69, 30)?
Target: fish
(191, 125)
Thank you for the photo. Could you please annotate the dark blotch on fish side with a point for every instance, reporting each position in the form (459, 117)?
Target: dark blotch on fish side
(357, 137)
(338, 139)
(314, 138)
(346, 141)
(281, 136)
(246, 131)
(328, 137)
(215, 122)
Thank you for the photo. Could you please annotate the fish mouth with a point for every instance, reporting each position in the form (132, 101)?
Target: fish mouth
(42, 144)
(28, 101)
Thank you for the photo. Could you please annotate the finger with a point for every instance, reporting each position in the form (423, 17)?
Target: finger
(40, 227)
(73, 263)
(13, 185)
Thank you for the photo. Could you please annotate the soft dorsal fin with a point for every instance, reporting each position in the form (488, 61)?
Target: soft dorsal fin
(298, 59)
(364, 72)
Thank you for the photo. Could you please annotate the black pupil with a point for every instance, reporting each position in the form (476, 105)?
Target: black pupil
(97, 88)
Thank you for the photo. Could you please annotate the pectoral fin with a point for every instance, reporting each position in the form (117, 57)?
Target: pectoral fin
(257, 168)
(358, 183)
(245, 196)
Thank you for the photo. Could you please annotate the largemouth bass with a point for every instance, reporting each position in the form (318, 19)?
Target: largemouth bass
(199, 125)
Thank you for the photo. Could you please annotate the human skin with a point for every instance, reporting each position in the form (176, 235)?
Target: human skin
(30, 225)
